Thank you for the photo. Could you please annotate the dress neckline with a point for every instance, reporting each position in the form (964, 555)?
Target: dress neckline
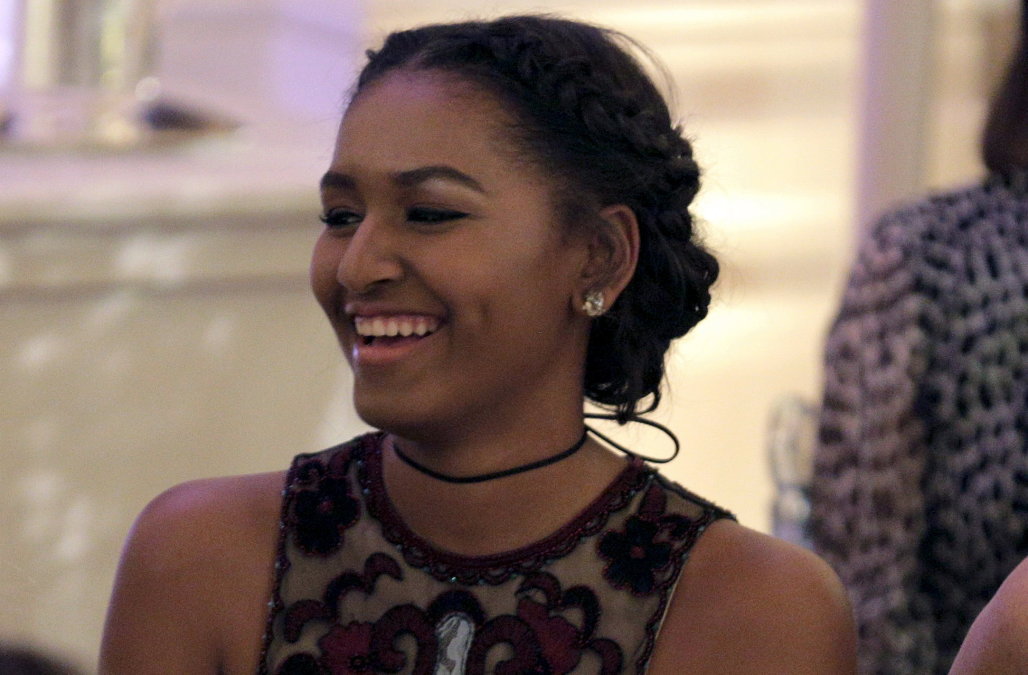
(493, 568)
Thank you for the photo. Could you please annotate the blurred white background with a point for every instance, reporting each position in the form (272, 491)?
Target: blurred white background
(155, 323)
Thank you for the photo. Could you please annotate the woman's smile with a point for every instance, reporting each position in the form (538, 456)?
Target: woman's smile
(384, 339)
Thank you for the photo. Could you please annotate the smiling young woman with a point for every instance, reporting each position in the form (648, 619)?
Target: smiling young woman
(506, 235)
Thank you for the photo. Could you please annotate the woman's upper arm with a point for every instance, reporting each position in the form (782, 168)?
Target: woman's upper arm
(159, 619)
(749, 603)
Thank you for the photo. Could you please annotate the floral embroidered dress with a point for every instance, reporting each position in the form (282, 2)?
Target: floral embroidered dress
(356, 591)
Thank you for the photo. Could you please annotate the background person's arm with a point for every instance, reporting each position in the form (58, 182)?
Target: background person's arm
(997, 643)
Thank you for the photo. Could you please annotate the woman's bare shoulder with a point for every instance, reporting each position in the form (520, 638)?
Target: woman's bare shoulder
(186, 521)
(750, 603)
(997, 641)
(196, 569)
(217, 502)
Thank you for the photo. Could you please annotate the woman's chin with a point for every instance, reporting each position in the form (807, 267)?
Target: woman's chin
(396, 419)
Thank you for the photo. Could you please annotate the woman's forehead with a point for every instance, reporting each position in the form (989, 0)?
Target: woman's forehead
(426, 118)
(435, 86)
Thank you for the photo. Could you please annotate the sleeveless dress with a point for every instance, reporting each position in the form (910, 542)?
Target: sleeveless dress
(356, 591)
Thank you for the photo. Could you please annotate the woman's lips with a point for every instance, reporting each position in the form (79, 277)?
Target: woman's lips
(384, 339)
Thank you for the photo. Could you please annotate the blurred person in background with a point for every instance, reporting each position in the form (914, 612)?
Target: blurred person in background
(920, 490)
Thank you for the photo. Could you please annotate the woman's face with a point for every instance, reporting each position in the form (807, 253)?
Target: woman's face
(449, 282)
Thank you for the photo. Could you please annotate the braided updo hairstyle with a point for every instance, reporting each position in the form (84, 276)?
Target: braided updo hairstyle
(586, 113)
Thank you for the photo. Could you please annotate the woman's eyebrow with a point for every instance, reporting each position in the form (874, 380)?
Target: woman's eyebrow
(414, 177)
(334, 179)
(407, 179)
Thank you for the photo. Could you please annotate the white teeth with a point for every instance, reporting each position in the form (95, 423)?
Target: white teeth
(392, 326)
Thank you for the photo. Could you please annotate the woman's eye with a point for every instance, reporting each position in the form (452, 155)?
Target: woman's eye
(427, 215)
(340, 218)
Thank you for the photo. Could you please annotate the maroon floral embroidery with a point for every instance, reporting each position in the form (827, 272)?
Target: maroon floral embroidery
(560, 642)
(302, 612)
(641, 557)
(558, 639)
(634, 556)
(327, 609)
(515, 633)
(398, 621)
(321, 513)
(538, 639)
(346, 650)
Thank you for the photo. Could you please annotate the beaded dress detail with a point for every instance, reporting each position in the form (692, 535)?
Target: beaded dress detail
(356, 591)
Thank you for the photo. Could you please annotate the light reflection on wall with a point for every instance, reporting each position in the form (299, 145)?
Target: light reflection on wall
(8, 26)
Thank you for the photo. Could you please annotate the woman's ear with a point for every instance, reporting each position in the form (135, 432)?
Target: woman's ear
(612, 255)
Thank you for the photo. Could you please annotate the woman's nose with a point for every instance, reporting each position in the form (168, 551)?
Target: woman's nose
(371, 258)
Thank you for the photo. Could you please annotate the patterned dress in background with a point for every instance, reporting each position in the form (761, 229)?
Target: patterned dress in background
(920, 491)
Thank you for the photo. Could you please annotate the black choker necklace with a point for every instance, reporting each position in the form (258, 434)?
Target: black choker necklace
(481, 478)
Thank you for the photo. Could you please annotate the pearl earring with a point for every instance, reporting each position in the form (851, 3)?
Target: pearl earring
(595, 304)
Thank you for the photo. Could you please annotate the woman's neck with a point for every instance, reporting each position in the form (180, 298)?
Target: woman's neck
(470, 450)
(502, 514)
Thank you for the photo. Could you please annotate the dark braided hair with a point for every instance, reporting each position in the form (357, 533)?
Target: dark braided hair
(584, 110)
